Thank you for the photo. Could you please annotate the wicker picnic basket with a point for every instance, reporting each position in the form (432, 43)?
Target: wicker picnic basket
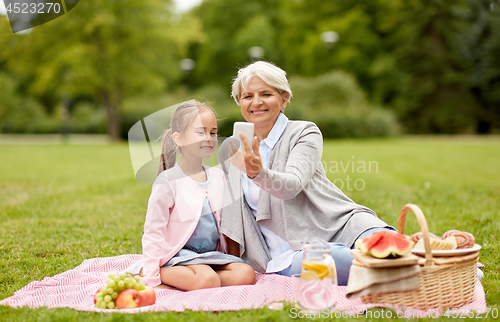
(443, 283)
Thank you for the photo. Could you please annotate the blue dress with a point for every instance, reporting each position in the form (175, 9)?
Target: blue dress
(201, 246)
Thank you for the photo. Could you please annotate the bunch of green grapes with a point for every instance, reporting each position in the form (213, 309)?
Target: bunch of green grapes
(106, 296)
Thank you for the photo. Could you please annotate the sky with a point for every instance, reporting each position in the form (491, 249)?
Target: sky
(182, 5)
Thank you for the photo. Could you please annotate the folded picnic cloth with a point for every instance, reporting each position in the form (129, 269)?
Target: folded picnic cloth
(364, 280)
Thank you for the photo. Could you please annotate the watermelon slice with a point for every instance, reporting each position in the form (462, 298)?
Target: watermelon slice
(385, 244)
(366, 243)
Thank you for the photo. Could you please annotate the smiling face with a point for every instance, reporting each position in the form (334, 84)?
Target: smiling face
(200, 138)
(261, 104)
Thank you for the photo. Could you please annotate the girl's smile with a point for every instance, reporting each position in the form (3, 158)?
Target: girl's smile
(200, 139)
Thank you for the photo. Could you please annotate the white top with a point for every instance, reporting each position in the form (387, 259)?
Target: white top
(281, 253)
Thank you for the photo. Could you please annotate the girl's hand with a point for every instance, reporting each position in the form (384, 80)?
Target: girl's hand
(247, 161)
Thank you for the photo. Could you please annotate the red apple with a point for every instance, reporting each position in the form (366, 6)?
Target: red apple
(95, 295)
(148, 296)
(128, 299)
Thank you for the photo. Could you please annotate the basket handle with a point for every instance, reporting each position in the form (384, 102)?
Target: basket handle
(423, 227)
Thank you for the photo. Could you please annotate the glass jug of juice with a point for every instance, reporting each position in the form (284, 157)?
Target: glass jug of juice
(317, 289)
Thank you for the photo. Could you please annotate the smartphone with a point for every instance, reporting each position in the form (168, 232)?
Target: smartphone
(243, 127)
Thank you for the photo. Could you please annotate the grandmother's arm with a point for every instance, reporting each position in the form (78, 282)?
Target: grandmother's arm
(300, 167)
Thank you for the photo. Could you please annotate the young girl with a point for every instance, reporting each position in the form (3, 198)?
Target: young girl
(182, 246)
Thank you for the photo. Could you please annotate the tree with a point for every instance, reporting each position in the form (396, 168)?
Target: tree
(481, 46)
(106, 50)
(433, 96)
(232, 27)
(418, 57)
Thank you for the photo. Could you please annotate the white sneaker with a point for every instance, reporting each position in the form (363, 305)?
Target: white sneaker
(480, 274)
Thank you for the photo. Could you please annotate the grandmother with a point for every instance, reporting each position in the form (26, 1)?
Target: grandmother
(277, 193)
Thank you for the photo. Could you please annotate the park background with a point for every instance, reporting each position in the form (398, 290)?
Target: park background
(357, 68)
(411, 85)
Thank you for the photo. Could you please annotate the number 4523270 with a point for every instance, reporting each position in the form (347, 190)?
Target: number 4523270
(471, 313)
(48, 7)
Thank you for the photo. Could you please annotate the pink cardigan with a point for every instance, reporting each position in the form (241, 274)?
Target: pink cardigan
(174, 210)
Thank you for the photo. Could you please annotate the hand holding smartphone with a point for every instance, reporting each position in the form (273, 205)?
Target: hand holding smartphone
(247, 129)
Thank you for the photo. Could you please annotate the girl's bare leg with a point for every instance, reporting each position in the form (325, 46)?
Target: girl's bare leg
(235, 274)
(190, 277)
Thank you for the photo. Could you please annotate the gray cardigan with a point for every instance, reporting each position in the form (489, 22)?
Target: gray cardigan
(296, 200)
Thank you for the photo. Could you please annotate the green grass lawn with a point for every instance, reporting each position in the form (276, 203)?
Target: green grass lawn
(62, 204)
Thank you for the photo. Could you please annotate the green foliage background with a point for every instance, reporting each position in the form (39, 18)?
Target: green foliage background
(418, 66)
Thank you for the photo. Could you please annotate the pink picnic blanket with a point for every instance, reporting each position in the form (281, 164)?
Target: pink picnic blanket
(76, 288)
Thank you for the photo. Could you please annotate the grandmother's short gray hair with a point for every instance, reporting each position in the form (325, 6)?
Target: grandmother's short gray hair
(268, 72)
